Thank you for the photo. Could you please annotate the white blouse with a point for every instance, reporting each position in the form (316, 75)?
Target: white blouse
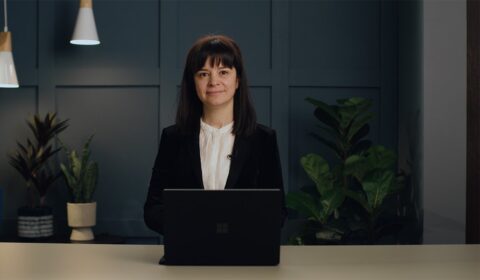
(216, 146)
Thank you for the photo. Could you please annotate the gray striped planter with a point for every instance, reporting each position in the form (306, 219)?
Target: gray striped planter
(35, 222)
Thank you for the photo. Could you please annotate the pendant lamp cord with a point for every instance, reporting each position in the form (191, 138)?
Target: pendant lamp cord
(5, 28)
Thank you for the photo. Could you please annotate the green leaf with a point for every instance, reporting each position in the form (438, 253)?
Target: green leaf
(356, 166)
(325, 108)
(318, 170)
(19, 163)
(330, 131)
(379, 157)
(86, 151)
(350, 110)
(362, 103)
(329, 144)
(359, 126)
(76, 164)
(71, 180)
(330, 201)
(22, 148)
(305, 204)
(326, 118)
(346, 113)
(360, 147)
(359, 198)
(85, 157)
(377, 185)
(90, 181)
(59, 127)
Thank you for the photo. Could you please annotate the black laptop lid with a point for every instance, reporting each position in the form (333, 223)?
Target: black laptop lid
(225, 227)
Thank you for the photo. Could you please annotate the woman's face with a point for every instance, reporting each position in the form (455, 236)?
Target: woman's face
(216, 85)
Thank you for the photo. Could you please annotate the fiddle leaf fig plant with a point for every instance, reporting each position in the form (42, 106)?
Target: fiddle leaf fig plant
(330, 196)
(362, 174)
(374, 171)
(81, 174)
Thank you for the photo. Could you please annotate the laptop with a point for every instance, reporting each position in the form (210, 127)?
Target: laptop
(224, 227)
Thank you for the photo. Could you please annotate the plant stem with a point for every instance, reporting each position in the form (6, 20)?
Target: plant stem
(370, 230)
(31, 198)
(42, 200)
(372, 221)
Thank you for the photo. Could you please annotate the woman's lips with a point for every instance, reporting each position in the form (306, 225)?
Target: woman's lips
(214, 92)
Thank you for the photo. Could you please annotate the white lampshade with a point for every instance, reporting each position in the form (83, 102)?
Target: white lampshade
(8, 75)
(85, 32)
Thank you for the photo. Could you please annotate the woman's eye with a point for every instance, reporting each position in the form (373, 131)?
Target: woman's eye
(202, 74)
(224, 72)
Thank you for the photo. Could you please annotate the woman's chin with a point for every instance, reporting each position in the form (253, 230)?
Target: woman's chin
(215, 103)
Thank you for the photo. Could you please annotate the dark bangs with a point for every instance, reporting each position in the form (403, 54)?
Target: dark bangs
(217, 51)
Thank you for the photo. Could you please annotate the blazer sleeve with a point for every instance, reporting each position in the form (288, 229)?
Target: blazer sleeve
(271, 170)
(153, 211)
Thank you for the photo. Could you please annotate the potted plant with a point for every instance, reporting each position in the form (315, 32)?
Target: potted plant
(33, 161)
(348, 202)
(81, 176)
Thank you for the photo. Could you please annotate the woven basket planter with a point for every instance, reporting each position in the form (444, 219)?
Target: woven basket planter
(35, 223)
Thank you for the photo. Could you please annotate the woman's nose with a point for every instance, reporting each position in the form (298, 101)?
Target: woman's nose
(213, 79)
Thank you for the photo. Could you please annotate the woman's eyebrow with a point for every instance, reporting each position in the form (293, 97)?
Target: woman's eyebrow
(220, 68)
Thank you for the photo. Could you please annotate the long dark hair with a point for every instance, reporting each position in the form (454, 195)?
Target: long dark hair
(221, 50)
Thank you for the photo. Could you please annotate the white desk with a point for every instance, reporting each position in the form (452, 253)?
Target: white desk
(82, 261)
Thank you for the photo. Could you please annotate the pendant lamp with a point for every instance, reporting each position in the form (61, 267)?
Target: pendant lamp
(8, 75)
(85, 32)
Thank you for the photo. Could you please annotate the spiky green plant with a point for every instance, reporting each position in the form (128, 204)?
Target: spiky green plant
(81, 174)
(32, 160)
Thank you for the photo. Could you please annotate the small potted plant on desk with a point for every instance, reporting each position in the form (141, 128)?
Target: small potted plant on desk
(33, 162)
(81, 177)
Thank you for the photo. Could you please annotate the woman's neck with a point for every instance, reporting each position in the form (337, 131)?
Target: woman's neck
(217, 117)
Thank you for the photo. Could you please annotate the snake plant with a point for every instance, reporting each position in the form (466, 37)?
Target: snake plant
(81, 174)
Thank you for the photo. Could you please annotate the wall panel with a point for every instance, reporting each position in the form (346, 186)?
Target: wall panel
(125, 90)
(262, 100)
(334, 43)
(125, 124)
(16, 105)
(22, 22)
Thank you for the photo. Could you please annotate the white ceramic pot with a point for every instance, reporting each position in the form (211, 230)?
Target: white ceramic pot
(81, 218)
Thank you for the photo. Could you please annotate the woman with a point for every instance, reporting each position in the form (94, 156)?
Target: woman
(216, 143)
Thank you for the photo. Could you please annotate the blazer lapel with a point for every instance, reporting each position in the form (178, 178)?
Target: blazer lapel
(240, 153)
(194, 151)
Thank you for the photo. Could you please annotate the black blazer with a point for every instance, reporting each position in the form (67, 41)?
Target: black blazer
(255, 163)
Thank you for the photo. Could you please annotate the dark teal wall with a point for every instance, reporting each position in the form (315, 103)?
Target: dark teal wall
(410, 104)
(125, 90)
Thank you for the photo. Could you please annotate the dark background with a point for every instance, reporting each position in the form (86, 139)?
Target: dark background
(125, 90)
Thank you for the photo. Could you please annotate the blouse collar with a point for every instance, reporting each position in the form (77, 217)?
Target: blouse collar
(210, 129)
